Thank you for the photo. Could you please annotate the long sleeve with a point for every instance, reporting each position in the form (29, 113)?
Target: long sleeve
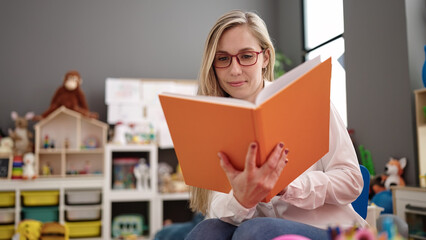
(335, 179)
(228, 209)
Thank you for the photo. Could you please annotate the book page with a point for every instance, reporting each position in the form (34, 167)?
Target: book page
(213, 99)
(286, 79)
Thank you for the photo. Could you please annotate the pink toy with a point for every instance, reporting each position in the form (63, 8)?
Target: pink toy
(291, 237)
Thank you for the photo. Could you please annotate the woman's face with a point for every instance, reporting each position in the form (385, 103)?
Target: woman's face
(242, 82)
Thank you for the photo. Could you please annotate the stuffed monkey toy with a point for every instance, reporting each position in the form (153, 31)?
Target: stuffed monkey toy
(70, 96)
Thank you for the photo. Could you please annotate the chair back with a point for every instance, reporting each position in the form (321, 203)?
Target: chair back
(361, 203)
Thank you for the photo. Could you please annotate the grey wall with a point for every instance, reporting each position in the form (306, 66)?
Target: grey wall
(378, 81)
(41, 40)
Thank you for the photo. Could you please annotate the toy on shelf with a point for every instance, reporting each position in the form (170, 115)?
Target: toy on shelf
(6, 145)
(17, 167)
(128, 224)
(134, 133)
(142, 174)
(393, 172)
(71, 96)
(171, 182)
(46, 169)
(123, 173)
(87, 167)
(21, 135)
(29, 166)
(90, 142)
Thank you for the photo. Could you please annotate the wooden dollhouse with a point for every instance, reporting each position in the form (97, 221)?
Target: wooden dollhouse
(68, 144)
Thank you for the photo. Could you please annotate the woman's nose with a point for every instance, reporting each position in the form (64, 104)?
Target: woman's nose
(235, 66)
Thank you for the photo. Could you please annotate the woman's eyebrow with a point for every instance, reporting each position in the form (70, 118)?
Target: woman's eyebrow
(241, 50)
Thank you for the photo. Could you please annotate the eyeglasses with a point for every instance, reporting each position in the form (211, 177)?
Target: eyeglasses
(248, 58)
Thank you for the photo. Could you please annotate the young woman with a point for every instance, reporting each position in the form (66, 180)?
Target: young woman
(238, 61)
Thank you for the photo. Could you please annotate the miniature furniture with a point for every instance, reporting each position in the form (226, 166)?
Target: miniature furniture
(69, 144)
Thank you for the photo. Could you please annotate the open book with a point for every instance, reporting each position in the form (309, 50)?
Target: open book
(294, 109)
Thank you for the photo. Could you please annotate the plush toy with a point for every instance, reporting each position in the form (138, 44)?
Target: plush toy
(393, 172)
(6, 145)
(391, 177)
(71, 96)
(21, 135)
(29, 168)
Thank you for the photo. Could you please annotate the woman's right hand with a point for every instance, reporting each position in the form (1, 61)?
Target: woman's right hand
(253, 184)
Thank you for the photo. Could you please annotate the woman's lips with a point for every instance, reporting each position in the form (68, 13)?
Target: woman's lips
(236, 83)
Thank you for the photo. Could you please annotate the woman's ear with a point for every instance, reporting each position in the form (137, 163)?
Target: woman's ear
(266, 57)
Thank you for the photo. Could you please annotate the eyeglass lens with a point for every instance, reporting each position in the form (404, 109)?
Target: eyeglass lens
(243, 58)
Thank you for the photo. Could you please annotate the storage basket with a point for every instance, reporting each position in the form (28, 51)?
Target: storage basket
(83, 213)
(83, 197)
(7, 216)
(40, 198)
(7, 231)
(84, 229)
(7, 199)
(42, 214)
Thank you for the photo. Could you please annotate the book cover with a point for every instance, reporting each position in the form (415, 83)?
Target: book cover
(294, 109)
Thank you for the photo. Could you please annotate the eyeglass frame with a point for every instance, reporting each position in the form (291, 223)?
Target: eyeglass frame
(238, 60)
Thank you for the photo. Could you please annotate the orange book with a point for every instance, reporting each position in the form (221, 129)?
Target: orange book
(294, 109)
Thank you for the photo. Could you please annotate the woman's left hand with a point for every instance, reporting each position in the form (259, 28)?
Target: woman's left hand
(253, 184)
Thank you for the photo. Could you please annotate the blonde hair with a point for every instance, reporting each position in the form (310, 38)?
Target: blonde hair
(208, 84)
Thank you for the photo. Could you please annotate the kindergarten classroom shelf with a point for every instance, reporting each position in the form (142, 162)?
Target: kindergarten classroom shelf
(125, 202)
(45, 198)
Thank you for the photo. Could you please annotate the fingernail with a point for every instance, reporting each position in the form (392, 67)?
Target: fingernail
(253, 146)
(220, 157)
(286, 161)
(281, 145)
(286, 151)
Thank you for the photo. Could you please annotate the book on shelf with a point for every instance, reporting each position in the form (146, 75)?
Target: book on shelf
(294, 109)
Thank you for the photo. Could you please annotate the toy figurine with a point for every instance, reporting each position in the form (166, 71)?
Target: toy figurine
(46, 170)
(66, 143)
(141, 172)
(46, 141)
(29, 169)
(70, 95)
(393, 172)
(21, 135)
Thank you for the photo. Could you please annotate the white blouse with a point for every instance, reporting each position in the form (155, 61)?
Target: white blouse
(321, 196)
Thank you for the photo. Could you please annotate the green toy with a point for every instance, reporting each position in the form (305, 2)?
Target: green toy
(366, 160)
(128, 224)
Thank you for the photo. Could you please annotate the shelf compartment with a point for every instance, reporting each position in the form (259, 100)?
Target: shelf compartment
(170, 214)
(40, 198)
(42, 214)
(7, 216)
(134, 214)
(83, 163)
(83, 197)
(7, 199)
(7, 231)
(50, 164)
(82, 213)
(84, 229)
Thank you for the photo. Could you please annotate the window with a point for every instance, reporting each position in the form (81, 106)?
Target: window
(323, 35)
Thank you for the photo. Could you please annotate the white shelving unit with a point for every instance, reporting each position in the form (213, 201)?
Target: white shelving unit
(45, 184)
(151, 198)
